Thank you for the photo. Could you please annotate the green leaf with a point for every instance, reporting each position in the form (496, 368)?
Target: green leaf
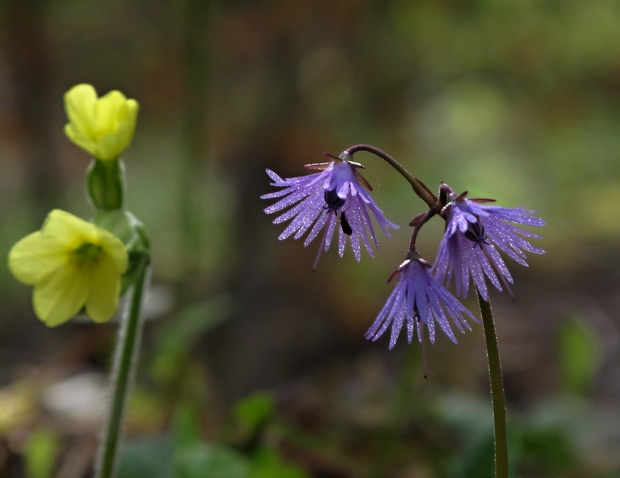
(178, 338)
(254, 410)
(40, 453)
(186, 430)
(203, 460)
(195, 458)
(579, 355)
(547, 452)
(268, 464)
(152, 457)
(477, 461)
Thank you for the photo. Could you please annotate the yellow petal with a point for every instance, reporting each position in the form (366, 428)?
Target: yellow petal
(127, 116)
(108, 147)
(117, 117)
(78, 137)
(132, 111)
(132, 117)
(115, 250)
(80, 104)
(124, 135)
(75, 231)
(71, 229)
(104, 288)
(34, 257)
(108, 108)
(60, 295)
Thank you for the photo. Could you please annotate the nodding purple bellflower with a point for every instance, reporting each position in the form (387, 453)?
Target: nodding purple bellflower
(331, 199)
(419, 299)
(474, 233)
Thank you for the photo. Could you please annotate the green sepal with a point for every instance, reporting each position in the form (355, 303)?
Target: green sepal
(105, 182)
(134, 268)
(124, 225)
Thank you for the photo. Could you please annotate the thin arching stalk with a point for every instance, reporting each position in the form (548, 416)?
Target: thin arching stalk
(418, 186)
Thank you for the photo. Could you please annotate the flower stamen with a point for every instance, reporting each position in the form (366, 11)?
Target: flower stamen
(88, 254)
(333, 201)
(475, 233)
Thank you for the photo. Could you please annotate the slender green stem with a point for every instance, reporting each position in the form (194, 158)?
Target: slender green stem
(127, 346)
(497, 390)
(418, 186)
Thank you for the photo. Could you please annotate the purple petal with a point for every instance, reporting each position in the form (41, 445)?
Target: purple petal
(302, 200)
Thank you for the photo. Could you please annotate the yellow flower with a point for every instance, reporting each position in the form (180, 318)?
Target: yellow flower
(102, 126)
(71, 263)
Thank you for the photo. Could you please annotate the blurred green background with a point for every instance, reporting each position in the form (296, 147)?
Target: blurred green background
(252, 365)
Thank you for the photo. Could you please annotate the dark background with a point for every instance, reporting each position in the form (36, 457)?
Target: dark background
(516, 100)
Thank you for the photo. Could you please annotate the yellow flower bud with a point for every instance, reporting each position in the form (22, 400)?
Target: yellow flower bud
(102, 126)
(72, 264)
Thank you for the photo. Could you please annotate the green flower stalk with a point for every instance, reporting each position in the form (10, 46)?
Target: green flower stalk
(498, 398)
(126, 353)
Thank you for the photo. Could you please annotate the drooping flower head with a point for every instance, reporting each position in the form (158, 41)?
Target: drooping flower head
(419, 299)
(333, 199)
(474, 233)
(72, 264)
(102, 126)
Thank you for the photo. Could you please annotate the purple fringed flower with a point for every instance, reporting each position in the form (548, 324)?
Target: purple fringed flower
(473, 234)
(419, 299)
(331, 199)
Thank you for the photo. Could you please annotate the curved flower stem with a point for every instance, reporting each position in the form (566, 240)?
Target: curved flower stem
(418, 222)
(127, 346)
(497, 390)
(418, 186)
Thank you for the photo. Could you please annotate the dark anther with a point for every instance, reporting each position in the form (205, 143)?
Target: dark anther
(344, 224)
(333, 201)
(475, 233)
